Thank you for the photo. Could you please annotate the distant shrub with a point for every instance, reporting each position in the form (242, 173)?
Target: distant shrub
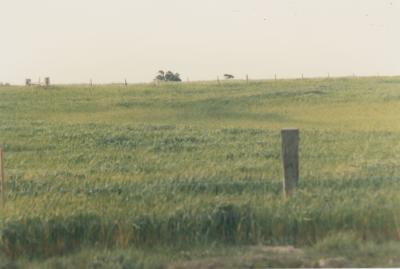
(229, 76)
(168, 76)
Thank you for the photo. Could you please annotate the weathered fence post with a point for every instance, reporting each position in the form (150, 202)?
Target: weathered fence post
(126, 83)
(2, 183)
(290, 158)
(247, 78)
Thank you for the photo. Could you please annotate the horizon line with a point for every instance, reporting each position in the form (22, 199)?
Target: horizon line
(217, 80)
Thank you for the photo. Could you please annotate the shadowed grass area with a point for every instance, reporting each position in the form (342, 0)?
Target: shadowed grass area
(197, 163)
(326, 254)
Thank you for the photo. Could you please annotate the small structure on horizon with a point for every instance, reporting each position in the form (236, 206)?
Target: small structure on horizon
(46, 83)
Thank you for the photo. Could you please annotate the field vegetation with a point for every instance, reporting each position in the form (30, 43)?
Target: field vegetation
(192, 165)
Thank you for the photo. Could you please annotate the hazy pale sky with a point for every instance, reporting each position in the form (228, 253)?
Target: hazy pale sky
(109, 40)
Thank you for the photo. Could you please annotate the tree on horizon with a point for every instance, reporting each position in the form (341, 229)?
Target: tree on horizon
(168, 76)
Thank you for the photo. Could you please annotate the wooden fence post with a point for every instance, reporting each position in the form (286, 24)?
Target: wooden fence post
(290, 158)
(2, 183)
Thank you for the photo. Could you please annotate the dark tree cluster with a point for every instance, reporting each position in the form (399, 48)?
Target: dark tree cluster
(229, 76)
(168, 76)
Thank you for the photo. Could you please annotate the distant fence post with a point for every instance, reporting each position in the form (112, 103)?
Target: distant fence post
(247, 78)
(28, 82)
(2, 183)
(290, 158)
(126, 83)
(47, 81)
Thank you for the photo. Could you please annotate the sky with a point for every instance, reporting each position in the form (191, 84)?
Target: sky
(73, 41)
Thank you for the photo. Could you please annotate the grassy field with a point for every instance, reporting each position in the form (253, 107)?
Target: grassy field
(193, 165)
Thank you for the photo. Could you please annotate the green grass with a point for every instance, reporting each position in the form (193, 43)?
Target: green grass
(197, 163)
(326, 253)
